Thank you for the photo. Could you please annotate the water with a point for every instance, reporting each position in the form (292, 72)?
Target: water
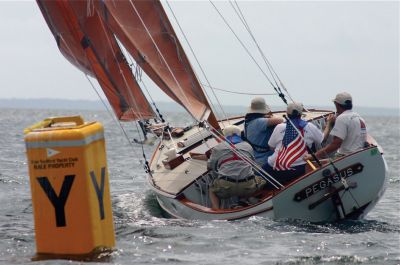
(144, 236)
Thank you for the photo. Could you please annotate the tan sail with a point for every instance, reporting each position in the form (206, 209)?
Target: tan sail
(88, 43)
(144, 29)
(67, 43)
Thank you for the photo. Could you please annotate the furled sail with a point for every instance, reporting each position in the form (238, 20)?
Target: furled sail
(86, 41)
(145, 31)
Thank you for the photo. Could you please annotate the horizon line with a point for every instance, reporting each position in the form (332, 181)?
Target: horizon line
(173, 102)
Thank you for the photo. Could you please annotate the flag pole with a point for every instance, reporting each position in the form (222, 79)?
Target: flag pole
(308, 148)
(344, 182)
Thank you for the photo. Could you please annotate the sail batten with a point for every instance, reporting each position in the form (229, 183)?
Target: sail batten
(88, 44)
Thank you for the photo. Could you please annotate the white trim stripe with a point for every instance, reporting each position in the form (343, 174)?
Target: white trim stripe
(65, 143)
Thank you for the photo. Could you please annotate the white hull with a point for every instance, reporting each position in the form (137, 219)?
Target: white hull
(309, 198)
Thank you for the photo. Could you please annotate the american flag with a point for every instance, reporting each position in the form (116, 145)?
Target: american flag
(293, 147)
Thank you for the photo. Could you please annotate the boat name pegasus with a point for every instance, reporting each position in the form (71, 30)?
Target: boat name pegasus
(328, 182)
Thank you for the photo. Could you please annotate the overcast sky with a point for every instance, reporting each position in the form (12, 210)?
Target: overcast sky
(318, 48)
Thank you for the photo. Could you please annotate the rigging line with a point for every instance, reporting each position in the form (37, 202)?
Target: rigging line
(132, 98)
(166, 63)
(132, 62)
(170, 137)
(146, 166)
(93, 50)
(161, 55)
(206, 189)
(157, 111)
(122, 75)
(351, 194)
(203, 72)
(90, 8)
(200, 66)
(244, 46)
(268, 63)
(244, 22)
(240, 93)
(200, 189)
(112, 81)
(77, 62)
(154, 103)
(253, 164)
(99, 61)
(105, 105)
(242, 18)
(114, 119)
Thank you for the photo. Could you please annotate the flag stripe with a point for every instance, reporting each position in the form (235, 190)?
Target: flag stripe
(292, 148)
(295, 152)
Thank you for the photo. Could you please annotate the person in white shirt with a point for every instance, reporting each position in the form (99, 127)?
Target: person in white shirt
(287, 162)
(349, 131)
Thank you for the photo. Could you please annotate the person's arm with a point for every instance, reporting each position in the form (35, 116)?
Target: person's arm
(272, 148)
(273, 121)
(274, 139)
(316, 136)
(329, 125)
(332, 147)
(213, 160)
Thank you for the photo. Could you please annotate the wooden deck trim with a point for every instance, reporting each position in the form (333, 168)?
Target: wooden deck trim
(205, 209)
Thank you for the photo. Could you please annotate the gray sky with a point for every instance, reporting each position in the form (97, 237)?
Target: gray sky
(318, 49)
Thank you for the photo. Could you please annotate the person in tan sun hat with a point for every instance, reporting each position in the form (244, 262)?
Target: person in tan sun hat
(349, 130)
(258, 126)
(232, 175)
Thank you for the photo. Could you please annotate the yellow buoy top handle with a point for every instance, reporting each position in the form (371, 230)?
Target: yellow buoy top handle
(49, 122)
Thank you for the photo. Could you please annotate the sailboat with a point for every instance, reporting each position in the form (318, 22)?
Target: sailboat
(99, 36)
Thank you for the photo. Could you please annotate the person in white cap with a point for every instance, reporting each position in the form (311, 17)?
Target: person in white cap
(349, 131)
(258, 126)
(289, 147)
(233, 175)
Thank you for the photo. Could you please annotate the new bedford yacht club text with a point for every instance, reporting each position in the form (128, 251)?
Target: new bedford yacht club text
(54, 163)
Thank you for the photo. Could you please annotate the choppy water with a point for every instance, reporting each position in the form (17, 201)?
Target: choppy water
(145, 237)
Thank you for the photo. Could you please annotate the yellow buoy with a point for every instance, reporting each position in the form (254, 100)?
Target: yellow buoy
(70, 186)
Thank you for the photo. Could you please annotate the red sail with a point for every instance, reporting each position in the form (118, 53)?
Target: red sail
(69, 46)
(88, 43)
(144, 29)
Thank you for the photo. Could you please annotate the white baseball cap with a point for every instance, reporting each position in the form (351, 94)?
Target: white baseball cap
(294, 106)
(231, 130)
(341, 98)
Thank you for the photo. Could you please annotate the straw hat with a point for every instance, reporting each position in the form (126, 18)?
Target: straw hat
(341, 98)
(231, 130)
(294, 106)
(258, 105)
